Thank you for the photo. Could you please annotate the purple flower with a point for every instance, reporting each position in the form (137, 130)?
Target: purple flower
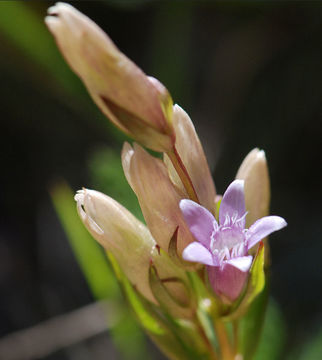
(224, 247)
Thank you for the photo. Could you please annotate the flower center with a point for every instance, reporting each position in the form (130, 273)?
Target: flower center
(227, 243)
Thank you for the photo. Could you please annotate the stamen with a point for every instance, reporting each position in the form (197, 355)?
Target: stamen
(212, 241)
(215, 225)
(238, 221)
(240, 250)
(234, 251)
(221, 256)
(225, 228)
(234, 218)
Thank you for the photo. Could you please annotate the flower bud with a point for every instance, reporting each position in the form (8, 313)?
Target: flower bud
(254, 172)
(193, 157)
(139, 105)
(158, 197)
(129, 241)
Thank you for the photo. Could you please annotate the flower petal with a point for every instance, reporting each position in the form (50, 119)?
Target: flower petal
(233, 202)
(254, 172)
(193, 157)
(158, 197)
(242, 263)
(262, 228)
(198, 253)
(227, 281)
(199, 220)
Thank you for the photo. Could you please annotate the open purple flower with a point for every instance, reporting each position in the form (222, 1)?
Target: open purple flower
(224, 247)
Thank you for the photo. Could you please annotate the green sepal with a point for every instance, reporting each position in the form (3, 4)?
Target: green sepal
(162, 294)
(177, 338)
(173, 253)
(147, 321)
(218, 203)
(146, 133)
(208, 308)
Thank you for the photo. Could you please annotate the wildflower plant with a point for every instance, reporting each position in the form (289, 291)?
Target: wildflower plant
(196, 274)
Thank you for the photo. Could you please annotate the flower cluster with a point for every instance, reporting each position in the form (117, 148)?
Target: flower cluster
(195, 246)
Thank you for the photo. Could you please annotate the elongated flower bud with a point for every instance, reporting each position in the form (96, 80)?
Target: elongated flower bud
(119, 232)
(157, 195)
(139, 105)
(254, 172)
(130, 242)
(193, 157)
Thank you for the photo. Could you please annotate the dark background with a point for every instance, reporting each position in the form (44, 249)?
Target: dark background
(248, 73)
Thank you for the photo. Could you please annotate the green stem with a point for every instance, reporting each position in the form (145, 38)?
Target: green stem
(183, 174)
(212, 352)
(227, 352)
(235, 335)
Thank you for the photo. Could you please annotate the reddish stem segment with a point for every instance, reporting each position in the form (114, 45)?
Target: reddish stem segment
(183, 174)
(225, 348)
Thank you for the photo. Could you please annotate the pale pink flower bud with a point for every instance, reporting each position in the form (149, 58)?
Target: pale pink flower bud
(193, 157)
(158, 197)
(254, 172)
(139, 105)
(130, 242)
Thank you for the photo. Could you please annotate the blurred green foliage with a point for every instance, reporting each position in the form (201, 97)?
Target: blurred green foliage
(311, 350)
(25, 29)
(273, 336)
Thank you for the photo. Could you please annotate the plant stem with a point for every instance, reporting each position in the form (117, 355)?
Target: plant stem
(212, 351)
(235, 335)
(183, 173)
(227, 352)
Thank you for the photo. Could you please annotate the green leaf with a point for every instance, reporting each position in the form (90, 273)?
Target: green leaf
(89, 255)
